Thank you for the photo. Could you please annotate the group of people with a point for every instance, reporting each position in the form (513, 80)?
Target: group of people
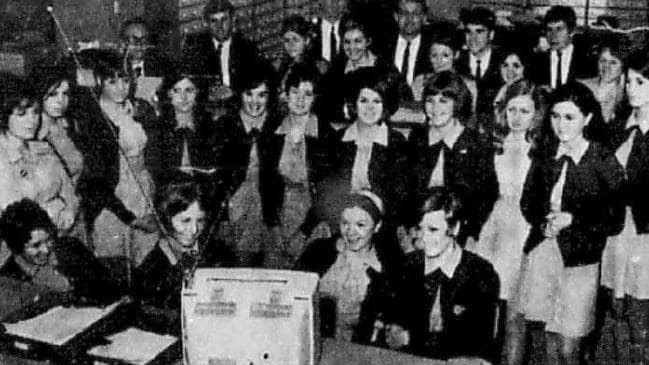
(514, 211)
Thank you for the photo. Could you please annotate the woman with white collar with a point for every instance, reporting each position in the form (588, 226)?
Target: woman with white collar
(352, 268)
(625, 261)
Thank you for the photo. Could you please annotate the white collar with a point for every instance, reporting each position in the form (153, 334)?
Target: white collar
(165, 246)
(368, 61)
(413, 43)
(633, 121)
(566, 51)
(484, 59)
(450, 138)
(310, 128)
(575, 152)
(225, 43)
(447, 263)
(378, 134)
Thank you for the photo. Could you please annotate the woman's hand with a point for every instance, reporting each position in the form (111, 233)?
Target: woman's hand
(555, 222)
(396, 337)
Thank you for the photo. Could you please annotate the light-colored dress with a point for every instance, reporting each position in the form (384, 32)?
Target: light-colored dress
(608, 95)
(504, 233)
(134, 189)
(346, 282)
(56, 134)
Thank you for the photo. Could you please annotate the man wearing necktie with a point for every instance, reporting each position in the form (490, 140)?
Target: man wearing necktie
(563, 62)
(410, 48)
(445, 306)
(143, 58)
(327, 42)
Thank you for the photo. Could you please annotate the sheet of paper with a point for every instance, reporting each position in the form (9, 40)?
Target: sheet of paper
(60, 324)
(146, 87)
(134, 346)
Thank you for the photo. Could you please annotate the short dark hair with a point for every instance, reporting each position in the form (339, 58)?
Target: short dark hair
(445, 199)
(638, 61)
(422, 3)
(175, 197)
(351, 21)
(561, 13)
(480, 16)
(134, 21)
(297, 23)
(302, 72)
(217, 6)
(584, 99)
(19, 220)
(367, 201)
(15, 92)
(378, 80)
(450, 84)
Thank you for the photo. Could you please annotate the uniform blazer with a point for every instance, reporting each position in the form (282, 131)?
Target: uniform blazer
(634, 193)
(422, 62)
(468, 307)
(230, 148)
(591, 193)
(200, 56)
(580, 67)
(488, 86)
(468, 166)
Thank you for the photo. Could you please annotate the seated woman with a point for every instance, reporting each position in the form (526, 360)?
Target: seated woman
(41, 257)
(184, 245)
(445, 303)
(351, 266)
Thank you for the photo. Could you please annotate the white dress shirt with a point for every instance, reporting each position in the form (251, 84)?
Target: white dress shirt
(412, 56)
(484, 62)
(225, 59)
(325, 32)
(566, 58)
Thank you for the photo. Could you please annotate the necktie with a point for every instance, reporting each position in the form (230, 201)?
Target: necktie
(217, 58)
(332, 42)
(559, 80)
(478, 70)
(406, 61)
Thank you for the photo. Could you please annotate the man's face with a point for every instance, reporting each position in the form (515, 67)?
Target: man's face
(559, 35)
(136, 39)
(333, 9)
(478, 38)
(220, 25)
(410, 17)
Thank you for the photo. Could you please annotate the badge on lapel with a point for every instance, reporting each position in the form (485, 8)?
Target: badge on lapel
(458, 310)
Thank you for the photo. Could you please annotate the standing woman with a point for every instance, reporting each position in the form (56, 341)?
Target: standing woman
(625, 262)
(127, 183)
(513, 68)
(179, 140)
(303, 150)
(570, 199)
(243, 148)
(30, 168)
(56, 126)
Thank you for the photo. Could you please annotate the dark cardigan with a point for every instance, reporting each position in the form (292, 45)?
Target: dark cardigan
(230, 148)
(468, 305)
(590, 194)
(635, 193)
(468, 167)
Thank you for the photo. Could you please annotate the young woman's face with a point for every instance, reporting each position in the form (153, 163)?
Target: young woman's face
(441, 57)
(519, 113)
(355, 44)
(439, 110)
(255, 101)
(188, 224)
(37, 250)
(357, 227)
(183, 96)
(57, 99)
(294, 45)
(369, 106)
(116, 89)
(300, 99)
(609, 66)
(512, 69)
(433, 234)
(568, 122)
(24, 121)
(637, 88)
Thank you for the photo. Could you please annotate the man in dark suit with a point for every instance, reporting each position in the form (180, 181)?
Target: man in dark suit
(445, 305)
(563, 62)
(481, 61)
(327, 42)
(410, 48)
(144, 59)
(220, 53)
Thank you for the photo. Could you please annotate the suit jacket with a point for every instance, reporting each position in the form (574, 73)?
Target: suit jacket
(468, 307)
(200, 56)
(634, 193)
(580, 67)
(468, 167)
(230, 147)
(156, 63)
(422, 62)
(591, 193)
(488, 87)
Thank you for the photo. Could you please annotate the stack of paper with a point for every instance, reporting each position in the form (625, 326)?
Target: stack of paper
(134, 346)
